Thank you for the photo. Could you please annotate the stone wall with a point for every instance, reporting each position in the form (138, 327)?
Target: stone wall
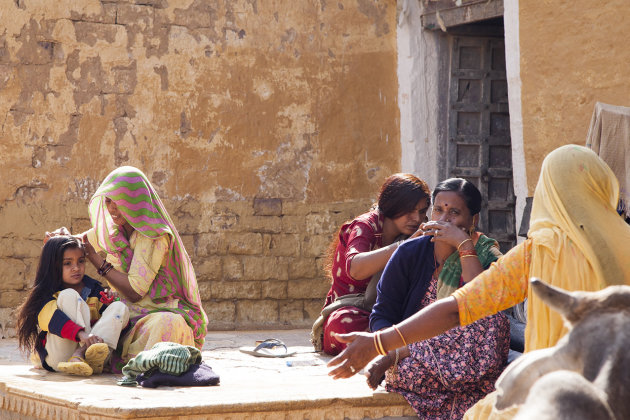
(572, 54)
(263, 126)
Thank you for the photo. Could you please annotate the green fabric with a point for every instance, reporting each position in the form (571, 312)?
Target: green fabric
(448, 280)
(170, 358)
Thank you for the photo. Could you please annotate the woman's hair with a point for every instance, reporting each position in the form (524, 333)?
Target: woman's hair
(465, 189)
(48, 281)
(400, 193)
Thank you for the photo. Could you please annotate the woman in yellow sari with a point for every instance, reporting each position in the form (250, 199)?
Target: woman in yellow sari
(576, 241)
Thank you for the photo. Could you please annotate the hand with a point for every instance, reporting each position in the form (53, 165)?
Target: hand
(87, 340)
(89, 249)
(359, 352)
(111, 294)
(108, 296)
(444, 232)
(59, 232)
(376, 371)
(417, 233)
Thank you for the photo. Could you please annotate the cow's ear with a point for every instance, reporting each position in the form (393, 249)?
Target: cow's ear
(558, 299)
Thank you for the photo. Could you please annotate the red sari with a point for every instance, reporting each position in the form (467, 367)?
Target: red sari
(363, 234)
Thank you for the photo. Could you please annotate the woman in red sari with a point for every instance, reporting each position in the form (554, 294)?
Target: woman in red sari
(361, 250)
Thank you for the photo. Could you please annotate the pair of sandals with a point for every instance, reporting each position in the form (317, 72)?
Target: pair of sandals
(95, 357)
(271, 347)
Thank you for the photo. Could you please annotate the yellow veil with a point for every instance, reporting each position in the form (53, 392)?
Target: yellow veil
(579, 240)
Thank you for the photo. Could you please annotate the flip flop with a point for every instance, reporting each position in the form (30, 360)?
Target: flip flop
(95, 356)
(75, 366)
(271, 347)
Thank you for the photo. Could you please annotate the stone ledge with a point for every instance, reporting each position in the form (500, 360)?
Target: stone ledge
(250, 388)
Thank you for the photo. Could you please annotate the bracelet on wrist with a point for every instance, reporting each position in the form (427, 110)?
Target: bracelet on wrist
(463, 242)
(468, 253)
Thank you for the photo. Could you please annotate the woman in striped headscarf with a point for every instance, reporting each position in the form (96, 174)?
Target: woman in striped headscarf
(146, 263)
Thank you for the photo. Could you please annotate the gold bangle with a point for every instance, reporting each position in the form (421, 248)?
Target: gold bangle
(462, 243)
(375, 344)
(466, 256)
(382, 351)
(400, 334)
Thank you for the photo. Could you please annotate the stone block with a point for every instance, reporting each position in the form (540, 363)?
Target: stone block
(190, 216)
(313, 308)
(211, 244)
(236, 289)
(27, 248)
(256, 312)
(31, 270)
(223, 222)
(232, 268)
(315, 245)
(281, 245)
(291, 312)
(302, 268)
(12, 298)
(294, 224)
(13, 274)
(189, 245)
(265, 268)
(308, 289)
(295, 208)
(273, 289)
(220, 311)
(7, 322)
(267, 206)
(241, 208)
(245, 244)
(205, 289)
(262, 224)
(208, 268)
(320, 264)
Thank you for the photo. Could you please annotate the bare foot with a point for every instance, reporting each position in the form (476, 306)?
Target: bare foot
(376, 372)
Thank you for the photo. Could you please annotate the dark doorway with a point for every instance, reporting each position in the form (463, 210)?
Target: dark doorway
(478, 134)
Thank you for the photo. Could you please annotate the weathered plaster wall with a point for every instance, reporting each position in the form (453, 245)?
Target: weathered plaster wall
(421, 127)
(263, 125)
(573, 54)
(513, 72)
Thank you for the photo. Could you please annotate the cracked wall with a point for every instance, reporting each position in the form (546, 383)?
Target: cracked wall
(263, 125)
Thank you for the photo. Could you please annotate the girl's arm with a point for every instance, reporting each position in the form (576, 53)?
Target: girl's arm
(365, 264)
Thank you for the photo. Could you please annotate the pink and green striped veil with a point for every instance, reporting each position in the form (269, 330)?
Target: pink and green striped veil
(136, 199)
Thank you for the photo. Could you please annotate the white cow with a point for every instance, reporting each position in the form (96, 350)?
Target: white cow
(586, 375)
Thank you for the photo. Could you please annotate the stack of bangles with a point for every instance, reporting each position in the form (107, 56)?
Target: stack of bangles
(378, 343)
(105, 267)
(466, 253)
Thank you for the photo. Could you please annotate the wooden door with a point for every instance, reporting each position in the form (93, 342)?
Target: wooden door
(479, 147)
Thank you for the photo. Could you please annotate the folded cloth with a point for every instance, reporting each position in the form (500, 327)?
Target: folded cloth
(165, 357)
(197, 375)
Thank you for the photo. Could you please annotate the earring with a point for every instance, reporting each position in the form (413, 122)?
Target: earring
(471, 230)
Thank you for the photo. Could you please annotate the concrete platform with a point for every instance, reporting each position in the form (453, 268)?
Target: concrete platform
(251, 388)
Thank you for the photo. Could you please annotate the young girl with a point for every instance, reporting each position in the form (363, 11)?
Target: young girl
(55, 321)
